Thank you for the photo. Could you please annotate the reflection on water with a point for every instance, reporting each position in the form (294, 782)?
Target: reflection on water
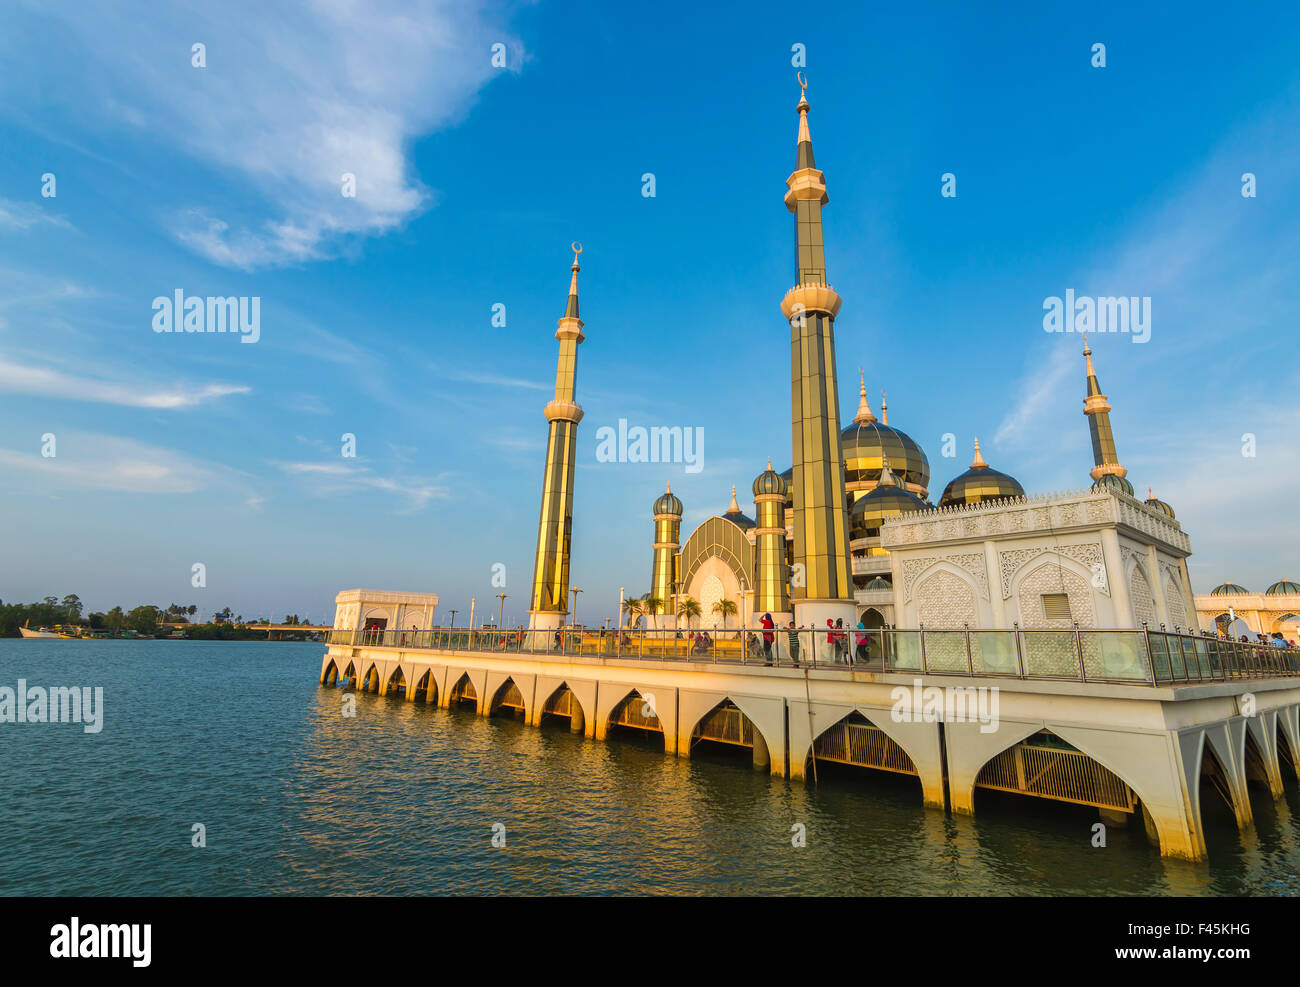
(402, 798)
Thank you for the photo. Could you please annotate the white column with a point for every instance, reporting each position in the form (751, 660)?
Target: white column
(1119, 598)
(994, 577)
(1158, 588)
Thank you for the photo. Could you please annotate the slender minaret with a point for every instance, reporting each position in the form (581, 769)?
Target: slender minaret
(1097, 408)
(771, 581)
(663, 575)
(550, 598)
(820, 584)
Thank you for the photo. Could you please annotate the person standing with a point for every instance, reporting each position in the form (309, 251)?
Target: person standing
(792, 636)
(768, 637)
(862, 642)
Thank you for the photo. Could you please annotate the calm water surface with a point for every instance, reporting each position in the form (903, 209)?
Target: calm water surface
(401, 799)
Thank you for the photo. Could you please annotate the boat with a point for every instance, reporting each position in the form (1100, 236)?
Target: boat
(44, 632)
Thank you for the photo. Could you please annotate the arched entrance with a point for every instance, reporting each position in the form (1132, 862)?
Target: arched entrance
(426, 690)
(371, 681)
(634, 717)
(349, 675)
(1047, 767)
(726, 731)
(1218, 812)
(563, 706)
(508, 701)
(331, 675)
(396, 683)
(854, 742)
(462, 693)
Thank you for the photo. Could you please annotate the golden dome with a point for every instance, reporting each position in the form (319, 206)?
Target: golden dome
(867, 443)
(876, 506)
(668, 503)
(980, 484)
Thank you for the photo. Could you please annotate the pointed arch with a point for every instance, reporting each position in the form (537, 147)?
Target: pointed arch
(1219, 780)
(426, 688)
(634, 713)
(507, 701)
(463, 692)
(396, 682)
(1287, 763)
(331, 674)
(855, 740)
(1048, 766)
(370, 681)
(563, 704)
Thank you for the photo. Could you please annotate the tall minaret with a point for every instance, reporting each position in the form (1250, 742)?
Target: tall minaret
(821, 535)
(550, 598)
(663, 575)
(1097, 408)
(771, 581)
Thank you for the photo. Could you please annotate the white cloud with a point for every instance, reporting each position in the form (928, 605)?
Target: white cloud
(87, 461)
(25, 215)
(20, 378)
(292, 97)
(345, 478)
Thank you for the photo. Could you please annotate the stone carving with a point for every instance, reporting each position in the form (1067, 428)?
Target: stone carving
(945, 601)
(1144, 603)
(1052, 578)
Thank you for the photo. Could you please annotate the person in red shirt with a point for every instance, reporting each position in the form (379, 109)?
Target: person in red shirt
(768, 637)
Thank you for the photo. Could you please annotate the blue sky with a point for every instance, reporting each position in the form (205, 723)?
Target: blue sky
(376, 311)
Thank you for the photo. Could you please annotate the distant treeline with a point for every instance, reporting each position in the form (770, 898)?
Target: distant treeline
(144, 621)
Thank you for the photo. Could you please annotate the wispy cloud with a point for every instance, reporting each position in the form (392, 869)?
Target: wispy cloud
(291, 99)
(25, 215)
(18, 378)
(344, 478)
(89, 461)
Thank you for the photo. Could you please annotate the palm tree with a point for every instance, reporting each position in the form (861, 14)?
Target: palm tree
(635, 607)
(688, 607)
(723, 608)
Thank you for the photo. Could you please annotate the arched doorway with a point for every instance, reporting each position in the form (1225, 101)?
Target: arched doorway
(508, 701)
(463, 694)
(396, 683)
(854, 743)
(563, 707)
(635, 718)
(726, 732)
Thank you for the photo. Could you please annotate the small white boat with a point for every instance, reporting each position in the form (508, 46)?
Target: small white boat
(26, 631)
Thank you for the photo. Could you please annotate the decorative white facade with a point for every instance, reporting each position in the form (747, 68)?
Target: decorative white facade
(1101, 560)
(387, 609)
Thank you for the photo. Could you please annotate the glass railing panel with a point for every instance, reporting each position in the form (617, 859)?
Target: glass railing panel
(903, 650)
(993, 652)
(1050, 654)
(1119, 655)
(945, 651)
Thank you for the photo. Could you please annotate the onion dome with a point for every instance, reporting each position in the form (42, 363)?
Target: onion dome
(770, 482)
(1283, 587)
(1159, 505)
(1229, 589)
(1112, 481)
(734, 515)
(878, 583)
(887, 500)
(980, 484)
(866, 443)
(668, 503)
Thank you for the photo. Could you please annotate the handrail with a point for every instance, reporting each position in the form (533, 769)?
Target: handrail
(1133, 657)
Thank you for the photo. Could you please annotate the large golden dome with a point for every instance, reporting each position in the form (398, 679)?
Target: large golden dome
(887, 500)
(980, 484)
(867, 444)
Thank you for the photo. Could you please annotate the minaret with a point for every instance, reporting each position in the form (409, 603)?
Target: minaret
(820, 584)
(550, 597)
(663, 575)
(1097, 409)
(771, 589)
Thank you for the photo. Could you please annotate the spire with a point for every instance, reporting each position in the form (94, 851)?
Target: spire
(734, 508)
(978, 463)
(887, 478)
(804, 153)
(668, 487)
(805, 198)
(769, 462)
(884, 410)
(572, 311)
(864, 415)
(1097, 408)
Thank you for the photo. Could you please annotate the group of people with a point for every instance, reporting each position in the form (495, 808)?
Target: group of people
(842, 646)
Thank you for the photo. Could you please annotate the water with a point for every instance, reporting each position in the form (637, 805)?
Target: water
(402, 798)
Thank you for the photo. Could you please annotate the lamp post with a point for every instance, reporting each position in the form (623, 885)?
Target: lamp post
(501, 617)
(573, 615)
(453, 620)
(620, 608)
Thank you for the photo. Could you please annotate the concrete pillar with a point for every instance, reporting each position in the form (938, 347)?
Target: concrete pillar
(1119, 598)
(969, 747)
(1262, 728)
(762, 760)
(576, 724)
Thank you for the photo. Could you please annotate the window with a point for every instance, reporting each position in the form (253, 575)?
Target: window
(1056, 606)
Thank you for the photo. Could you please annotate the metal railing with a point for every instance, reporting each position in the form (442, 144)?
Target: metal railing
(1119, 656)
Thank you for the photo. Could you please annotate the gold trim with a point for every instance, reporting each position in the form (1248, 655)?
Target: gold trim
(565, 411)
(811, 298)
(805, 184)
(1095, 404)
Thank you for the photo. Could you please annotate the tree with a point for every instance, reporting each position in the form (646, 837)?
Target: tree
(144, 620)
(635, 607)
(72, 607)
(191, 610)
(114, 619)
(688, 607)
(724, 608)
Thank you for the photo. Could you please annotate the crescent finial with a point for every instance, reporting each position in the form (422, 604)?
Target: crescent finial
(576, 247)
(803, 84)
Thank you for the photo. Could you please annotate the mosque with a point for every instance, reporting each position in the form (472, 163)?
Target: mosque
(851, 531)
